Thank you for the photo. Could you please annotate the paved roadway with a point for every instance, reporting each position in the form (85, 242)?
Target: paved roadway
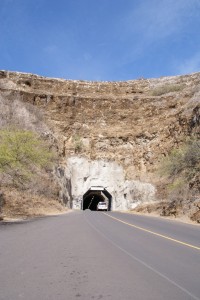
(92, 255)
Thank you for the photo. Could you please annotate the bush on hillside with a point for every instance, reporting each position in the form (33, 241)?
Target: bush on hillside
(78, 144)
(22, 153)
(182, 168)
(167, 88)
(183, 162)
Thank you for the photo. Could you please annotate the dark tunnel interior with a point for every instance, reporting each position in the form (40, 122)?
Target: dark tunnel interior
(91, 198)
(91, 201)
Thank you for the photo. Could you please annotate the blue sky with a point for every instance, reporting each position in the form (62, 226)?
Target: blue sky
(103, 40)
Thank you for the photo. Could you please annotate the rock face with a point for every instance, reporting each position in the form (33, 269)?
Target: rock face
(80, 174)
(112, 133)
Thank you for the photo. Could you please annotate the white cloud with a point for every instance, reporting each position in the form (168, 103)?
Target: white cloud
(154, 22)
(160, 18)
(190, 65)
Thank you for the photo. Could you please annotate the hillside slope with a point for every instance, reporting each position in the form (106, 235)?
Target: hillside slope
(133, 124)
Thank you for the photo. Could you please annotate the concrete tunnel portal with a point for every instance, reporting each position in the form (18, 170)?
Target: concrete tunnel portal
(95, 195)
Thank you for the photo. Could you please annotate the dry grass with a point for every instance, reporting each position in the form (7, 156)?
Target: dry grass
(172, 209)
(167, 88)
(20, 204)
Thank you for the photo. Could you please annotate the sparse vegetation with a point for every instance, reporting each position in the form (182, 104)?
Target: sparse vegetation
(183, 162)
(21, 115)
(182, 168)
(167, 88)
(20, 204)
(78, 144)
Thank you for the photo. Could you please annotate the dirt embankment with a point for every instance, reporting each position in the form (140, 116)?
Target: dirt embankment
(22, 205)
(181, 210)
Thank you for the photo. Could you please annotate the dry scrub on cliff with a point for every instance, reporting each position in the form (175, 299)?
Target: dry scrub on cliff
(20, 204)
(15, 113)
(167, 88)
(182, 168)
(78, 144)
(182, 164)
(180, 184)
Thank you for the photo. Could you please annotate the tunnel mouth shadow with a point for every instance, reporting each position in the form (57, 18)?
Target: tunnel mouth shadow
(95, 195)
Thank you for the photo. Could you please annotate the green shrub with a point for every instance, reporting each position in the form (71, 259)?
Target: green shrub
(21, 153)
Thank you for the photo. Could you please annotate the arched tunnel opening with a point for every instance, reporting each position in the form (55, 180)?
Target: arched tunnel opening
(95, 195)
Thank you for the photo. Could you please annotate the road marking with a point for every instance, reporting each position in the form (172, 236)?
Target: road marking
(155, 233)
(139, 260)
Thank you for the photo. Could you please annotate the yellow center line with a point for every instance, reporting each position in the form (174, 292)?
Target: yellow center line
(155, 233)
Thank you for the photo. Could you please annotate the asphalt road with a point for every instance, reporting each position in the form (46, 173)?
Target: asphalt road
(92, 255)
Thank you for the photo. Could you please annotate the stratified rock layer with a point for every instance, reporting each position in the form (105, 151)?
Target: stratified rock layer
(131, 123)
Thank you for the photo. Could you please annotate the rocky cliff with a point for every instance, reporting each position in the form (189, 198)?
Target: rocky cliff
(127, 127)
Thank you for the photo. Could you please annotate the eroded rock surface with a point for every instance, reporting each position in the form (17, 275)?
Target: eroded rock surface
(127, 126)
(80, 174)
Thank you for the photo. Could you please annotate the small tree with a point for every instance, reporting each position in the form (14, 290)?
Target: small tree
(21, 154)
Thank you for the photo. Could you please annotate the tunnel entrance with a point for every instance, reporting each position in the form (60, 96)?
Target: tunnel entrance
(95, 195)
